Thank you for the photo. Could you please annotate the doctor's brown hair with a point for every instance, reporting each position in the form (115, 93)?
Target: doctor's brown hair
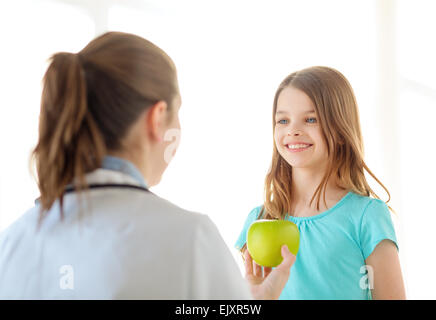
(337, 111)
(89, 101)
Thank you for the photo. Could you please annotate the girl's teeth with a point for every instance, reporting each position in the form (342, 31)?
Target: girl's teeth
(298, 146)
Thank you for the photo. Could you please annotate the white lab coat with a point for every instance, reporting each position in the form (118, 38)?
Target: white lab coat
(124, 244)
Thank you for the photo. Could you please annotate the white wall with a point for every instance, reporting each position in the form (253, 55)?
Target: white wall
(231, 56)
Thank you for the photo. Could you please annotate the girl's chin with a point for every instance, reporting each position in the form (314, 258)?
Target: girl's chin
(300, 164)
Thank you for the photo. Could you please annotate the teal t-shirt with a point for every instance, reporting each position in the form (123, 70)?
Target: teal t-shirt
(333, 248)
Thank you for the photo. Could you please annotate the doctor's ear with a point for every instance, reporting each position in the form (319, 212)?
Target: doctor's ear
(157, 120)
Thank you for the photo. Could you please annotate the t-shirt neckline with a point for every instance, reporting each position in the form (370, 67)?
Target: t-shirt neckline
(322, 214)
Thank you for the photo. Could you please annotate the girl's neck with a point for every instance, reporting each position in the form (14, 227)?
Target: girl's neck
(304, 184)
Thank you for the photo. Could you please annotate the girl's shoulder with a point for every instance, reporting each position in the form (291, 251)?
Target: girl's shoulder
(255, 213)
(361, 205)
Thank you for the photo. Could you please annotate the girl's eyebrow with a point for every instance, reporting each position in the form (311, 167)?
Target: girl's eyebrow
(309, 111)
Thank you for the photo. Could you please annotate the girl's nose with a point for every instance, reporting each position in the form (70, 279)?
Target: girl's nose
(295, 133)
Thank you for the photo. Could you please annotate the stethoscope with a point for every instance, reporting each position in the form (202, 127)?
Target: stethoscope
(71, 189)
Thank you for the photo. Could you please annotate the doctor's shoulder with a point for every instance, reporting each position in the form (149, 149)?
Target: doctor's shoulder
(145, 210)
(171, 217)
(24, 226)
(22, 222)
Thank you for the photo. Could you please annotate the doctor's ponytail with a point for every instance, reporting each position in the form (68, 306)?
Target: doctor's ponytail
(89, 101)
(70, 143)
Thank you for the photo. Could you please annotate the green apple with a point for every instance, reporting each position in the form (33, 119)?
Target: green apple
(266, 237)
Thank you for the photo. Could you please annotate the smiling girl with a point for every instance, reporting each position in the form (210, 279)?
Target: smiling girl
(348, 248)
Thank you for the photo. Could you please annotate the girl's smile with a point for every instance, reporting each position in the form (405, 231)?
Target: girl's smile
(298, 146)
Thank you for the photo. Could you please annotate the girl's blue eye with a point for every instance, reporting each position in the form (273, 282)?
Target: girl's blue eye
(280, 121)
(311, 120)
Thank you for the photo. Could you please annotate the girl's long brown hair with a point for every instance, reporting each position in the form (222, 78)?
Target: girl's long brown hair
(89, 101)
(336, 108)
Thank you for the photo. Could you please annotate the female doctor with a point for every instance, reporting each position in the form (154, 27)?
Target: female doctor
(96, 232)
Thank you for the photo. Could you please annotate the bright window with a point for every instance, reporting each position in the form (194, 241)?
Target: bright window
(31, 31)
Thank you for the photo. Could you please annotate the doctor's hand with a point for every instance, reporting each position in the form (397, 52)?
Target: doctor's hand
(270, 284)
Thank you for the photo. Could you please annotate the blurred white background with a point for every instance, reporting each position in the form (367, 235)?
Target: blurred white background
(231, 56)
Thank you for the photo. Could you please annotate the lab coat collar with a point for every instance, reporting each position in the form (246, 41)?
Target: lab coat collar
(124, 166)
(108, 176)
(103, 176)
